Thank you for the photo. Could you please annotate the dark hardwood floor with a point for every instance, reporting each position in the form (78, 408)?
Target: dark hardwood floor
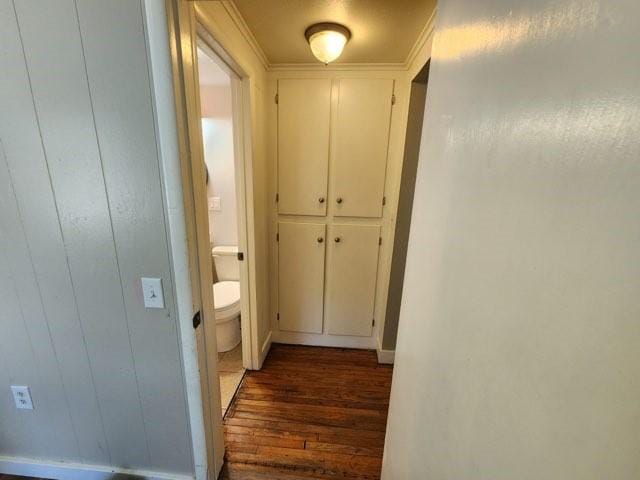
(4, 476)
(310, 413)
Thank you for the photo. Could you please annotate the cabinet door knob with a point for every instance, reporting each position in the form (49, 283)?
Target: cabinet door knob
(337, 239)
(320, 239)
(321, 199)
(339, 199)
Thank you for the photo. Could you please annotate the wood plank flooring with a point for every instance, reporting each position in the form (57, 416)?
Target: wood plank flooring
(4, 476)
(310, 413)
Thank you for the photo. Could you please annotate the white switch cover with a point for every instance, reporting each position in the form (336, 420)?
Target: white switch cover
(215, 204)
(22, 397)
(152, 291)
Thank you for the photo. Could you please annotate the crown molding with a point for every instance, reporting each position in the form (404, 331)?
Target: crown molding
(317, 66)
(425, 34)
(245, 31)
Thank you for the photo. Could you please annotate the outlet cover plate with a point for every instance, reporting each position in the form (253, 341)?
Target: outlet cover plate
(22, 397)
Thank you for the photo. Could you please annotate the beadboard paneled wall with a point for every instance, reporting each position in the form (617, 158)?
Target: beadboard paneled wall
(81, 220)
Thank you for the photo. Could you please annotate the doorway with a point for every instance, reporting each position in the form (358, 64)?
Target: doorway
(223, 189)
(224, 216)
(190, 30)
(417, 101)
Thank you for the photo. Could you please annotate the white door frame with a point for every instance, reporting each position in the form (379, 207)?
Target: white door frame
(185, 26)
(243, 169)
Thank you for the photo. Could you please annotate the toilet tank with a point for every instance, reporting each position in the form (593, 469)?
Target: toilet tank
(225, 259)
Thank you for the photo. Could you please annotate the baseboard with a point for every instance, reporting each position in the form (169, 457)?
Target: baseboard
(385, 356)
(77, 471)
(319, 340)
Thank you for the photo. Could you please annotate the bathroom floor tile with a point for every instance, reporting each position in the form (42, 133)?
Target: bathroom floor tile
(229, 382)
(231, 361)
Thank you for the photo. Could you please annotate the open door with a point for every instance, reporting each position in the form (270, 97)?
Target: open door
(183, 44)
(187, 30)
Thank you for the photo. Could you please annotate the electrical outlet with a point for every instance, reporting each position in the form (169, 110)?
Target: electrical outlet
(22, 397)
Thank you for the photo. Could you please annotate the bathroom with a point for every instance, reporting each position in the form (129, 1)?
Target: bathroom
(218, 142)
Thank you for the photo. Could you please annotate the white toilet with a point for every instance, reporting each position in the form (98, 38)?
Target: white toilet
(226, 296)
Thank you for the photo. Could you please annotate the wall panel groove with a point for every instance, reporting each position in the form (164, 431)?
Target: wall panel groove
(81, 220)
(119, 85)
(21, 138)
(63, 109)
(108, 206)
(20, 270)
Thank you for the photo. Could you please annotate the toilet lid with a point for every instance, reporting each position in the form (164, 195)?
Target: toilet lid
(225, 294)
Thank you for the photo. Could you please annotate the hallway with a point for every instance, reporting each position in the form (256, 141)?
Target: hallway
(311, 412)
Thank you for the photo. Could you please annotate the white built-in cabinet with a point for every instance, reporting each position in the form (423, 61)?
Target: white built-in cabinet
(352, 266)
(301, 276)
(360, 139)
(303, 147)
(332, 142)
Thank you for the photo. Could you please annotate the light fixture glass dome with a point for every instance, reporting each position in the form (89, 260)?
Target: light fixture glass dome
(327, 40)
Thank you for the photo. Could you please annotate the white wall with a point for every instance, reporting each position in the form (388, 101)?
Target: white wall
(217, 132)
(517, 354)
(82, 219)
(215, 100)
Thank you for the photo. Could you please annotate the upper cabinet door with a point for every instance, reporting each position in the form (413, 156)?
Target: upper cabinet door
(304, 107)
(361, 137)
(351, 284)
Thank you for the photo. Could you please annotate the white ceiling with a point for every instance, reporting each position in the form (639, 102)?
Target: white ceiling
(383, 31)
(209, 72)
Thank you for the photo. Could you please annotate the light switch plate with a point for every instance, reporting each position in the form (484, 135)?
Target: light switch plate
(152, 292)
(22, 397)
(215, 204)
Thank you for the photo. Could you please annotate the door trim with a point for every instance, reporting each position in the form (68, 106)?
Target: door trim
(186, 25)
(243, 170)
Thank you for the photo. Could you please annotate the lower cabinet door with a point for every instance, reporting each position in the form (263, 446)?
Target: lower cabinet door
(352, 267)
(301, 248)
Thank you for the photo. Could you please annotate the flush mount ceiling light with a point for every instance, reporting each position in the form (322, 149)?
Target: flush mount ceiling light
(327, 40)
